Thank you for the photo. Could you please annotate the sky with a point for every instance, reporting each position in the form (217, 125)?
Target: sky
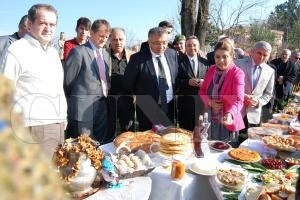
(135, 16)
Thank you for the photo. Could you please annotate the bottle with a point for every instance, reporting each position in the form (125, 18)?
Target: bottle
(204, 135)
(197, 138)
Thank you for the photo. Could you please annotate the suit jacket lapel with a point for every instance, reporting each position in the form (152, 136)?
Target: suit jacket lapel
(188, 65)
(93, 59)
(171, 65)
(151, 68)
(106, 63)
(262, 74)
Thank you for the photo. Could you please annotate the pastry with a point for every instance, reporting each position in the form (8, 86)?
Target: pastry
(137, 140)
(244, 154)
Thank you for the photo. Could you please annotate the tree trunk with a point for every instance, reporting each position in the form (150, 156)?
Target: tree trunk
(188, 13)
(202, 21)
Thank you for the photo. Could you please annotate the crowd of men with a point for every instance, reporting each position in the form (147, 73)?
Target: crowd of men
(94, 83)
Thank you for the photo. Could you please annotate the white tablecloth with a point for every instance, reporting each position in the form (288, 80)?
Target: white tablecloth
(259, 146)
(191, 187)
(137, 188)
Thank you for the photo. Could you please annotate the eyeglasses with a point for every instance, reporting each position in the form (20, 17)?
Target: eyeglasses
(297, 58)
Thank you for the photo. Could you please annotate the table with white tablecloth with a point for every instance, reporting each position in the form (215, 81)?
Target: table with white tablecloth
(191, 186)
(137, 188)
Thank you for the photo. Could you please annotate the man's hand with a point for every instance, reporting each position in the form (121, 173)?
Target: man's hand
(195, 82)
(250, 101)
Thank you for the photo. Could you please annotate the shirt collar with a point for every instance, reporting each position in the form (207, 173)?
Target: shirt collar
(35, 42)
(254, 64)
(94, 47)
(192, 58)
(156, 55)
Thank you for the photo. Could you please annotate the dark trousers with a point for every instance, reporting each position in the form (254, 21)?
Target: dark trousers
(121, 108)
(189, 109)
(96, 128)
(150, 113)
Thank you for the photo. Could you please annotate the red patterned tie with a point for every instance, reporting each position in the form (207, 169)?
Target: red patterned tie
(102, 73)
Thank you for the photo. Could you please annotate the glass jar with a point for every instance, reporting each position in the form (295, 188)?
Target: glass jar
(177, 170)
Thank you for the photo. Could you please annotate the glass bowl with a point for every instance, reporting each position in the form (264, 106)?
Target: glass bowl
(231, 177)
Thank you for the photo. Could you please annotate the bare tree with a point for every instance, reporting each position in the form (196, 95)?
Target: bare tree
(224, 15)
(202, 21)
(228, 16)
(188, 16)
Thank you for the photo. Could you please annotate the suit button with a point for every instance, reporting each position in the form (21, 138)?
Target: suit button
(93, 85)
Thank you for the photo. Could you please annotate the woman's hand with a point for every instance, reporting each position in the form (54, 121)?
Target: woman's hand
(227, 119)
(216, 104)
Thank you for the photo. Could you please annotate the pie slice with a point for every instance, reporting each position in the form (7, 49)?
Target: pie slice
(244, 155)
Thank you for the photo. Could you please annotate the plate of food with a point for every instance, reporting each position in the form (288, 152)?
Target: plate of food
(231, 177)
(244, 155)
(290, 144)
(204, 167)
(218, 145)
(259, 132)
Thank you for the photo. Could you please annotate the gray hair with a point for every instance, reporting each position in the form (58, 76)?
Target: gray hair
(23, 21)
(156, 31)
(263, 45)
(117, 29)
(32, 12)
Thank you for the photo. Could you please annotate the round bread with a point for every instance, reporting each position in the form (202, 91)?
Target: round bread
(175, 147)
(244, 154)
(176, 139)
(137, 140)
(264, 196)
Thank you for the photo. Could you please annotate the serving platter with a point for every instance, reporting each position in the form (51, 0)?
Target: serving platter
(204, 167)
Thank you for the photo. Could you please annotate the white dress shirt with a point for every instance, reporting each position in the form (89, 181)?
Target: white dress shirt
(164, 62)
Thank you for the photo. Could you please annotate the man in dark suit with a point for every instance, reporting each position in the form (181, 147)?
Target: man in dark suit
(6, 40)
(150, 75)
(86, 85)
(165, 25)
(192, 69)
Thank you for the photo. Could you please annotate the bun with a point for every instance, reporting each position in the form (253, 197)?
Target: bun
(264, 196)
(275, 197)
(272, 189)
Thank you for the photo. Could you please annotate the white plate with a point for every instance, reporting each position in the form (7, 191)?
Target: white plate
(198, 165)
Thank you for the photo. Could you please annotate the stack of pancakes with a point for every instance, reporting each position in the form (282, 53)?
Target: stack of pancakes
(175, 143)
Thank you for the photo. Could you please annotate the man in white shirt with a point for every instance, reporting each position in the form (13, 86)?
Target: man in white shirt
(34, 66)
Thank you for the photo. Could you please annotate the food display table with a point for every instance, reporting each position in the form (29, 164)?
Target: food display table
(192, 186)
(138, 188)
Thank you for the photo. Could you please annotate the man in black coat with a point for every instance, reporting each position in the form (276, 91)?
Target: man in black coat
(286, 73)
(150, 75)
(192, 69)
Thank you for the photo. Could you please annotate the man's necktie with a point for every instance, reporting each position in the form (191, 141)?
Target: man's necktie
(255, 75)
(101, 67)
(194, 67)
(162, 86)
